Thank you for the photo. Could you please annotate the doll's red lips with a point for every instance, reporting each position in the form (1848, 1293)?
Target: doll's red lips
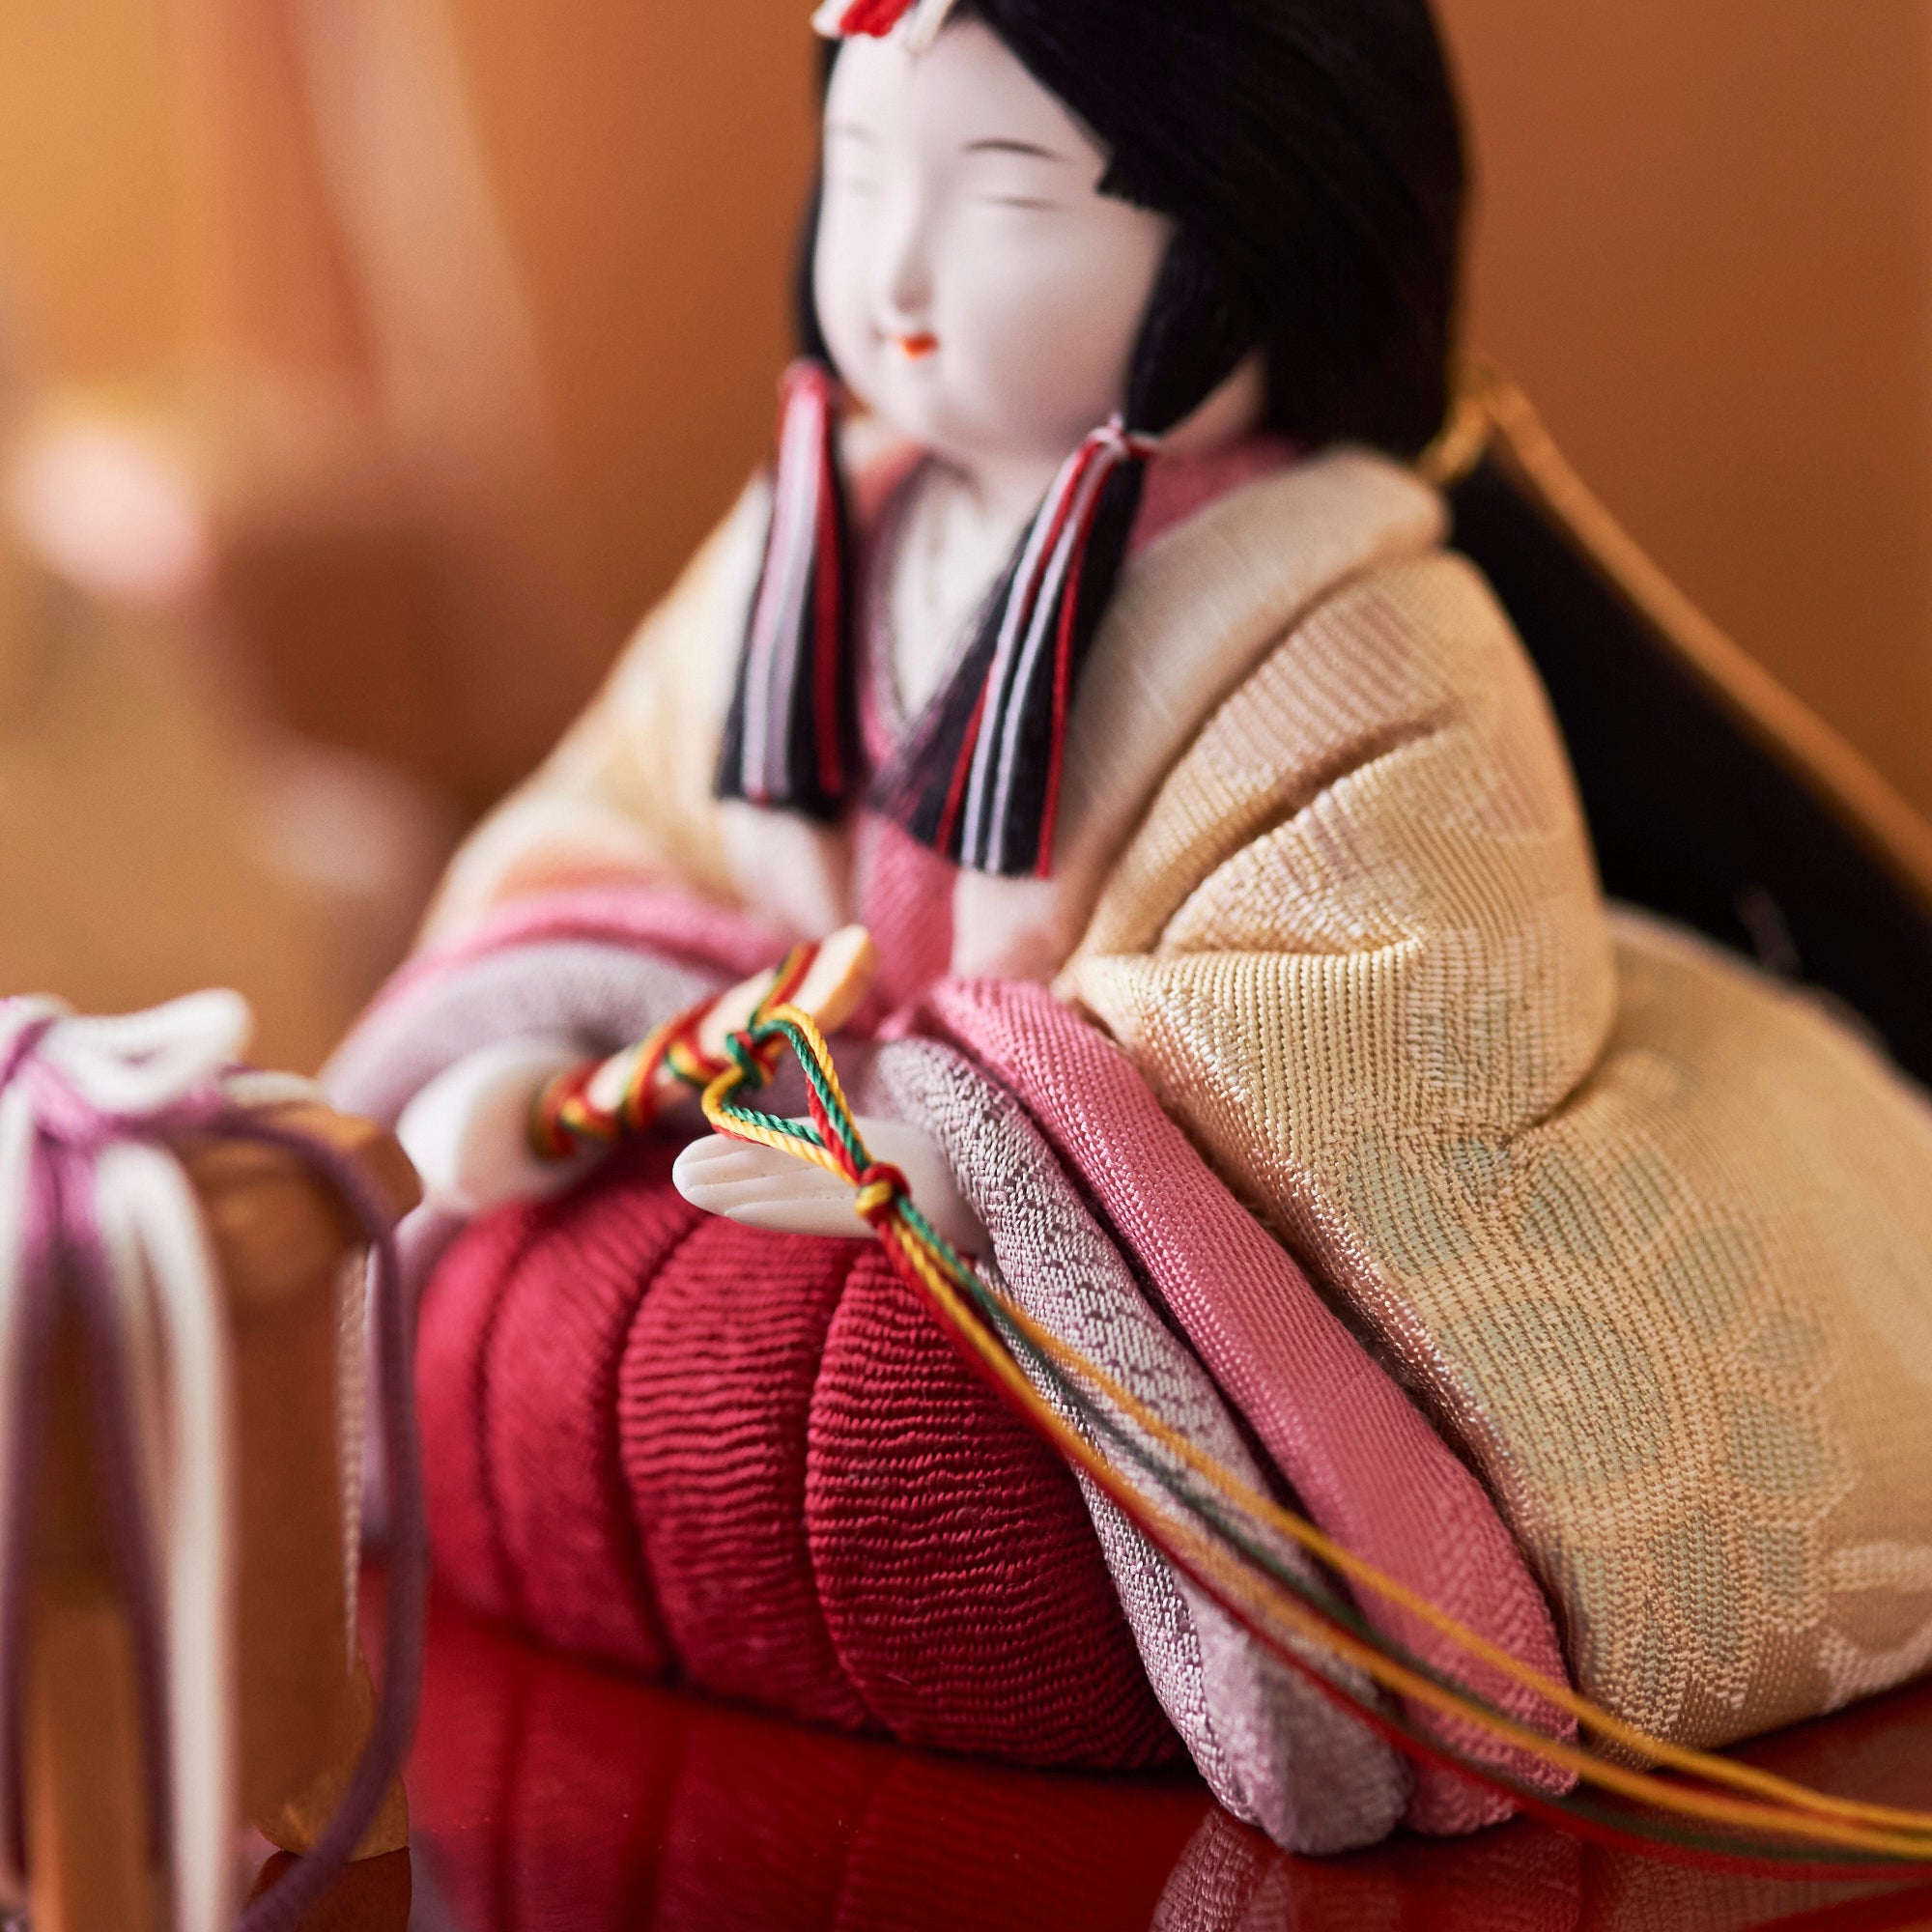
(916, 348)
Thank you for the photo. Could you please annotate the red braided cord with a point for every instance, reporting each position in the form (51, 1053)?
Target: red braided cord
(566, 1119)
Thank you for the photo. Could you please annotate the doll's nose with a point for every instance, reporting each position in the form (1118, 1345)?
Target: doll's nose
(906, 275)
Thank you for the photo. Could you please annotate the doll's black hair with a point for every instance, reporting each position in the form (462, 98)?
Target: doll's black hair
(1310, 153)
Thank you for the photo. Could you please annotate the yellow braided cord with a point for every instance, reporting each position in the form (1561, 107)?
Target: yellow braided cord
(1606, 1723)
(1790, 1810)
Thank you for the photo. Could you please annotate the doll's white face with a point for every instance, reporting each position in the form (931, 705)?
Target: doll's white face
(976, 289)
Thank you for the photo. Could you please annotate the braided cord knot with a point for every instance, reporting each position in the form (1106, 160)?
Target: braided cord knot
(882, 1188)
(756, 1055)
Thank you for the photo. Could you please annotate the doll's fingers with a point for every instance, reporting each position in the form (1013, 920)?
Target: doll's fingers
(826, 1220)
(726, 1197)
(468, 1130)
(766, 1187)
(721, 1161)
(759, 1187)
(726, 1168)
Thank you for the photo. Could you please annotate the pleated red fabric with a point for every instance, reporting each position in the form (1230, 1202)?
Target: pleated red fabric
(451, 1350)
(713, 1419)
(957, 1566)
(755, 1461)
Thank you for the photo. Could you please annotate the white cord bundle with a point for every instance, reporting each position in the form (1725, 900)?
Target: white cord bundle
(99, 1089)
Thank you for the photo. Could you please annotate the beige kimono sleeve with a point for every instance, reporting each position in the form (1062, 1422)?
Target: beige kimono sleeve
(1647, 1232)
(1360, 924)
(627, 795)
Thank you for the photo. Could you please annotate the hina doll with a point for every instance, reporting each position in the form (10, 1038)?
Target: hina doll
(1247, 1000)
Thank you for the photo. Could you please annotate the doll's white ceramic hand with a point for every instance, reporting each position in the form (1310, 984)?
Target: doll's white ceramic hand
(762, 1188)
(468, 1131)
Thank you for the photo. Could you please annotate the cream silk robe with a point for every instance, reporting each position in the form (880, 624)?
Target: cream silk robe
(1649, 1237)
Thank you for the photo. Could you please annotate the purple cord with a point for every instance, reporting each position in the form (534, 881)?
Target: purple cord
(282, 1908)
(26, 1419)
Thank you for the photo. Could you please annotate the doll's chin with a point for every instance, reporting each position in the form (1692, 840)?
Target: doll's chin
(925, 401)
(959, 439)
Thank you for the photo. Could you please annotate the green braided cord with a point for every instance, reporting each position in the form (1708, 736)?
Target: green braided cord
(847, 1128)
(741, 1049)
(795, 1130)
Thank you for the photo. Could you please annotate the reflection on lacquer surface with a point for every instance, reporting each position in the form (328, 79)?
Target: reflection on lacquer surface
(551, 1798)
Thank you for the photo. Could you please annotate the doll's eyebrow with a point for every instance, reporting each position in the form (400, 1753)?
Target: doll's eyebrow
(1027, 148)
(852, 130)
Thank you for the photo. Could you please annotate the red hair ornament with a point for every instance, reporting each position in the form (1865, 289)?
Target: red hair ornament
(919, 19)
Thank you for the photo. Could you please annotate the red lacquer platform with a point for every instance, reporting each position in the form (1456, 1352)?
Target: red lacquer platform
(552, 1798)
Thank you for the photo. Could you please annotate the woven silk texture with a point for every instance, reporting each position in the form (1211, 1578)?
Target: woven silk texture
(1652, 1237)
(1648, 1238)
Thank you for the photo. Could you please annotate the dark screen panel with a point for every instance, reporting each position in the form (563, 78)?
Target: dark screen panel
(1692, 816)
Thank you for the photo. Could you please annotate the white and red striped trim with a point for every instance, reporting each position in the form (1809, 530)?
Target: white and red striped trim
(1040, 610)
(918, 22)
(789, 631)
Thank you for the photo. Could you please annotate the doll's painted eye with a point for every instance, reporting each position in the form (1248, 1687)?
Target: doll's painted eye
(1017, 175)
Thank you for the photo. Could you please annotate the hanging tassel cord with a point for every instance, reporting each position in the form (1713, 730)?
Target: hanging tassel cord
(1229, 1538)
(285, 1906)
(1121, 446)
(828, 602)
(1041, 614)
(785, 741)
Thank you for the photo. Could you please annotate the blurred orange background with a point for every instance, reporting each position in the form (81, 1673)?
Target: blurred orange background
(468, 315)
